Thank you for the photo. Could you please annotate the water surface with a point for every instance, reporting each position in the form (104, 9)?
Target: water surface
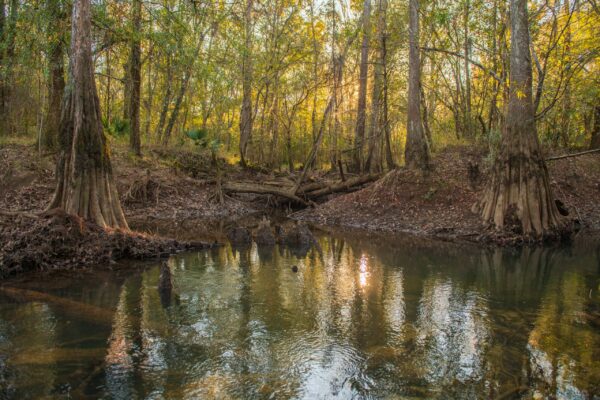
(363, 317)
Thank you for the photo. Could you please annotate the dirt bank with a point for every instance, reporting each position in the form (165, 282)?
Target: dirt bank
(439, 205)
(174, 193)
(55, 240)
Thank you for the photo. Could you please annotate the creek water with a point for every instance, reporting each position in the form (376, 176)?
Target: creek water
(363, 317)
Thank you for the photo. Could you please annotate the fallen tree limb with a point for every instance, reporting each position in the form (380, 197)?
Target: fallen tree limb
(239, 187)
(305, 193)
(572, 155)
(342, 186)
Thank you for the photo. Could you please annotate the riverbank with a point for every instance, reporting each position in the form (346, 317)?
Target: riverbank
(439, 204)
(175, 193)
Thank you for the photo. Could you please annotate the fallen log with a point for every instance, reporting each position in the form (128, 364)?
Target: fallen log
(305, 193)
(349, 184)
(239, 187)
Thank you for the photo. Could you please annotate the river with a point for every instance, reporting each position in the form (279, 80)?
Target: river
(363, 317)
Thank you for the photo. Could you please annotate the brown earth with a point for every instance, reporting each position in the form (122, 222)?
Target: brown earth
(153, 189)
(439, 205)
(174, 192)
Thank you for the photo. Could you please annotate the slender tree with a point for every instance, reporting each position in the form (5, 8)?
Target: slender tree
(377, 125)
(3, 114)
(85, 184)
(8, 32)
(361, 116)
(135, 79)
(519, 193)
(57, 73)
(467, 72)
(595, 142)
(246, 117)
(417, 150)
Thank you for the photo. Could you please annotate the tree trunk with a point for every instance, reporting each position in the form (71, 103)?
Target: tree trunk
(389, 157)
(416, 152)
(85, 184)
(595, 142)
(135, 80)
(2, 69)
(166, 102)
(467, 71)
(377, 129)
(519, 195)
(8, 32)
(566, 104)
(175, 113)
(57, 74)
(246, 111)
(359, 133)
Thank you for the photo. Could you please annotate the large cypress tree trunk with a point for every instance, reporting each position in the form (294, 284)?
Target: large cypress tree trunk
(416, 152)
(85, 184)
(519, 195)
(135, 66)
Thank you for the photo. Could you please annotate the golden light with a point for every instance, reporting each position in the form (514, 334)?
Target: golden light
(363, 274)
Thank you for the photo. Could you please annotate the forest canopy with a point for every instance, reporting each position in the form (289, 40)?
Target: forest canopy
(275, 74)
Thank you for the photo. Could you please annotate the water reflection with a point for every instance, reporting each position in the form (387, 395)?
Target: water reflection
(361, 318)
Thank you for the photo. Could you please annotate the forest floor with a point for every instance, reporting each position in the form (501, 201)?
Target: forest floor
(439, 204)
(173, 192)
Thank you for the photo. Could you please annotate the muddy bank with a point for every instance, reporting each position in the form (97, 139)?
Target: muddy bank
(173, 193)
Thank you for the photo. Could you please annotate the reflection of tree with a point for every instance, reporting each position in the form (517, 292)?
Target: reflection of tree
(29, 327)
(563, 349)
(360, 318)
(516, 276)
(121, 362)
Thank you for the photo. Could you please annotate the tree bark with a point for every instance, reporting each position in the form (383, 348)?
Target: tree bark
(595, 142)
(467, 71)
(566, 105)
(377, 125)
(416, 152)
(359, 133)
(176, 108)
(8, 32)
(135, 80)
(166, 101)
(57, 74)
(2, 68)
(519, 196)
(85, 184)
(246, 117)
